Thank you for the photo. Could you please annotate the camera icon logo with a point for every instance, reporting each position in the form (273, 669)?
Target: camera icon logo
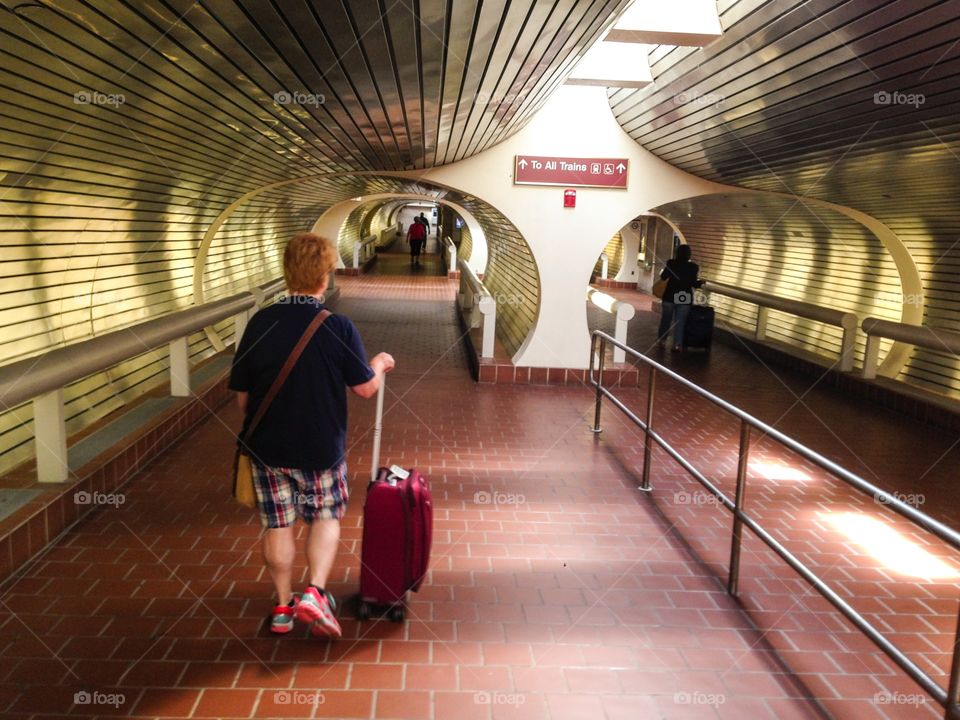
(683, 298)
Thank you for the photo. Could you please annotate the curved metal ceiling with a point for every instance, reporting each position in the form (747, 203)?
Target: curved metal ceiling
(850, 101)
(127, 127)
(360, 85)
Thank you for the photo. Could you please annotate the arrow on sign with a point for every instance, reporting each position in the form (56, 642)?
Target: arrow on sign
(621, 167)
(523, 164)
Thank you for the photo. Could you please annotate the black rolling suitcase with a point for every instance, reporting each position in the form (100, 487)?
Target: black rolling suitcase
(698, 334)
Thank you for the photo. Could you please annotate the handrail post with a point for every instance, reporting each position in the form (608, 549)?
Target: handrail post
(620, 332)
(596, 413)
(763, 314)
(647, 440)
(488, 313)
(743, 460)
(848, 343)
(952, 706)
(179, 367)
(604, 265)
(453, 256)
(50, 433)
(356, 256)
(871, 357)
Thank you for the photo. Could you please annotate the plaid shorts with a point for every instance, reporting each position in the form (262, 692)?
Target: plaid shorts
(284, 494)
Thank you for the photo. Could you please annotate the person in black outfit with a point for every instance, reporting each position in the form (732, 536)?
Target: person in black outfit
(426, 223)
(681, 276)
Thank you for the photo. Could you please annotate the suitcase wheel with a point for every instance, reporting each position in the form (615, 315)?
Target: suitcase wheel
(363, 611)
(396, 614)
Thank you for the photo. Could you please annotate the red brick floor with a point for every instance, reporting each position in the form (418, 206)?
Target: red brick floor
(556, 590)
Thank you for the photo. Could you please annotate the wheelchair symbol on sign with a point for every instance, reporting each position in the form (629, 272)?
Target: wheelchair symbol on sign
(608, 169)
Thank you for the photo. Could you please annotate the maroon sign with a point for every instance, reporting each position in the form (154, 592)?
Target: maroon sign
(567, 171)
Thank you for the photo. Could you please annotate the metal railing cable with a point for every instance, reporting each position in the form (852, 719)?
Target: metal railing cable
(949, 698)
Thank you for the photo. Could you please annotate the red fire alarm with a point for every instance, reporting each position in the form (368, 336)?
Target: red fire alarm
(569, 198)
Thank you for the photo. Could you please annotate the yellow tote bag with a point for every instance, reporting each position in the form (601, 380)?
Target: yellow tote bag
(660, 288)
(243, 491)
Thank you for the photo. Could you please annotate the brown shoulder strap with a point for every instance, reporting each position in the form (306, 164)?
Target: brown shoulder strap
(286, 369)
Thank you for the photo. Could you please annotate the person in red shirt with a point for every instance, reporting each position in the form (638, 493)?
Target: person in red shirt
(417, 237)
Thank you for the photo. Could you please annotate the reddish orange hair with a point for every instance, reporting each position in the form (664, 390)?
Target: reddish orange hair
(307, 261)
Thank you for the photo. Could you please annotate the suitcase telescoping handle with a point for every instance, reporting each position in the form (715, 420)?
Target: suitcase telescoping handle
(378, 430)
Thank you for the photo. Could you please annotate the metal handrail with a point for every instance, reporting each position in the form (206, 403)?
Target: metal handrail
(25, 379)
(949, 698)
(847, 321)
(388, 232)
(922, 335)
(42, 378)
(480, 302)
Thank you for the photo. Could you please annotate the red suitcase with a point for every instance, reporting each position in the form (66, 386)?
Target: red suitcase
(397, 534)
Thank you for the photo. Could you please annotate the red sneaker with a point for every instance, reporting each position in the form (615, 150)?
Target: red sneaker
(317, 609)
(281, 620)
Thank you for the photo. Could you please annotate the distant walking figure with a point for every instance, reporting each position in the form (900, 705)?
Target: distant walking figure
(681, 275)
(426, 223)
(417, 237)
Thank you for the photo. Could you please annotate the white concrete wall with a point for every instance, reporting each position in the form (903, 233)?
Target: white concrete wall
(629, 271)
(566, 242)
(329, 224)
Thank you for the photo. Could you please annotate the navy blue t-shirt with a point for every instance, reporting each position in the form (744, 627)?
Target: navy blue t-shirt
(306, 425)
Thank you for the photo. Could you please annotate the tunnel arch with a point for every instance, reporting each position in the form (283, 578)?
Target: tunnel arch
(801, 248)
(333, 219)
(256, 226)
